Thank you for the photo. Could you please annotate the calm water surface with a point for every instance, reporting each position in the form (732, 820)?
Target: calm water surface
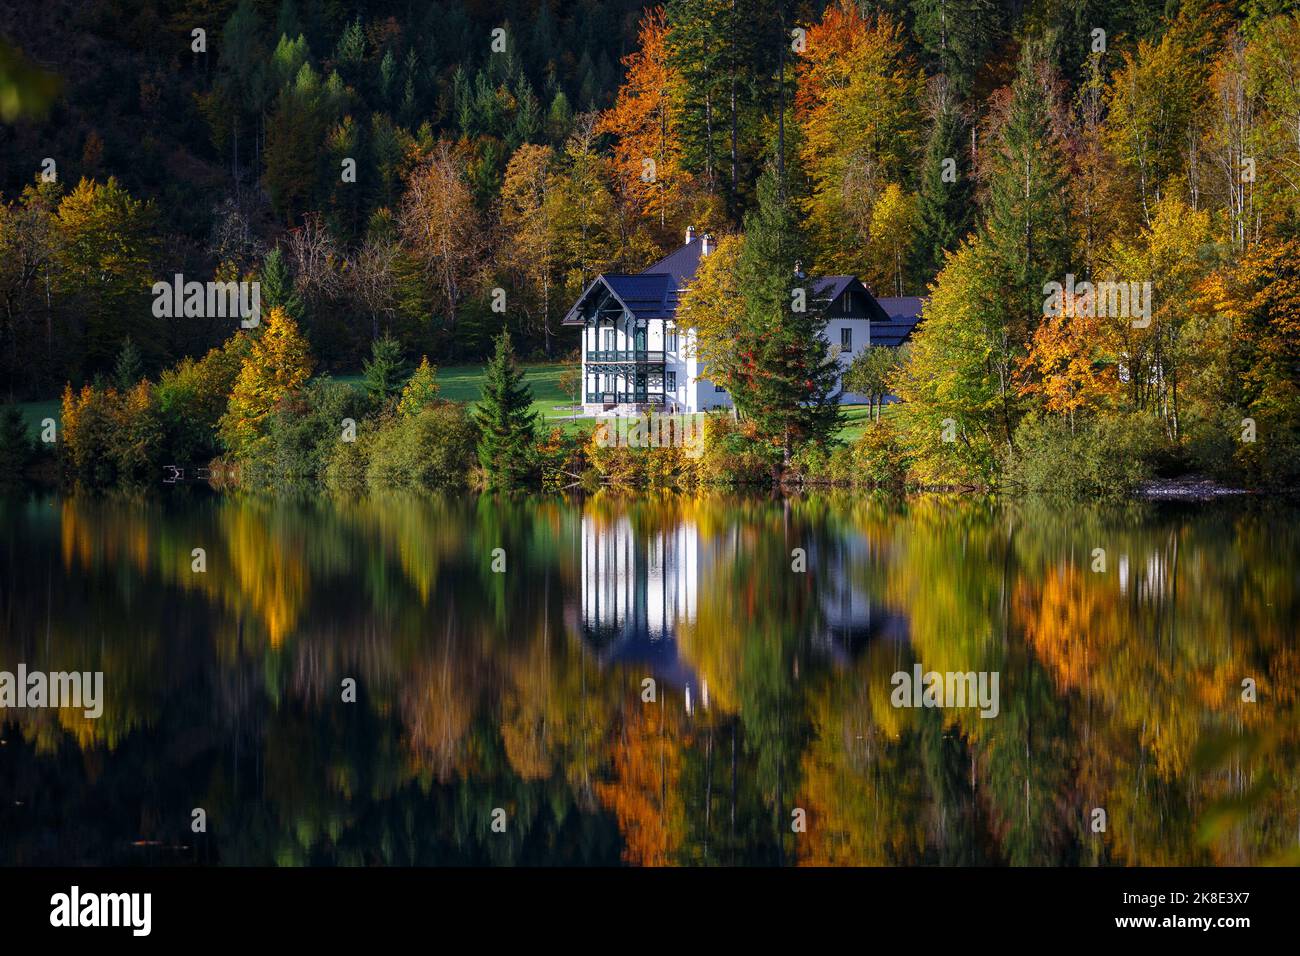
(1120, 676)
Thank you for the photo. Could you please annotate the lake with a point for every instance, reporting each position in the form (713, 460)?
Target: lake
(652, 681)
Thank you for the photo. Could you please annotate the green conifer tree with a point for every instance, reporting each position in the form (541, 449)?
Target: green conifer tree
(385, 372)
(506, 423)
(788, 388)
(277, 288)
(129, 367)
(946, 199)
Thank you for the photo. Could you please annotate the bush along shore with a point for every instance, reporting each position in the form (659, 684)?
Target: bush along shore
(252, 416)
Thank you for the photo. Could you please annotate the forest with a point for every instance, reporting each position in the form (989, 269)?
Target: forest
(415, 186)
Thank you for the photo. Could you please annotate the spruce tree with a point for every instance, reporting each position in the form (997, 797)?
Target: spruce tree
(1027, 220)
(946, 200)
(505, 420)
(16, 448)
(787, 387)
(385, 372)
(277, 288)
(129, 367)
(957, 36)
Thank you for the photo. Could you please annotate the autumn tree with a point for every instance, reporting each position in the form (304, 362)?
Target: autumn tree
(712, 308)
(531, 242)
(278, 365)
(857, 110)
(893, 235)
(107, 248)
(1169, 259)
(1273, 64)
(581, 209)
(1151, 103)
(420, 391)
(644, 122)
(1072, 363)
(443, 229)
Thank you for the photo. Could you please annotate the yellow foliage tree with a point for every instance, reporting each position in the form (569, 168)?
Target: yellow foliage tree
(278, 364)
(856, 107)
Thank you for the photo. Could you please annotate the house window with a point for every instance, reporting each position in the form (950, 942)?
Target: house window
(670, 381)
(846, 340)
(670, 339)
(848, 302)
(609, 340)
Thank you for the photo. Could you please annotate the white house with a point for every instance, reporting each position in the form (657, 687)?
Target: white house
(635, 357)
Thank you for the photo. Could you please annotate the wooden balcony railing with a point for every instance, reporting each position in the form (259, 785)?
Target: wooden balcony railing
(621, 355)
(625, 398)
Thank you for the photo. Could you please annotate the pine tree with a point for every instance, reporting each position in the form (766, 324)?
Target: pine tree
(947, 194)
(277, 287)
(957, 35)
(129, 367)
(559, 119)
(385, 372)
(16, 449)
(421, 390)
(1027, 221)
(787, 387)
(724, 51)
(505, 420)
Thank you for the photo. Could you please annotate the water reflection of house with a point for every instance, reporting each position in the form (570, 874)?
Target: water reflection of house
(636, 588)
(850, 615)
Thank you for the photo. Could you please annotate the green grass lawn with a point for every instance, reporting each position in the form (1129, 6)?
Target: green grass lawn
(856, 418)
(464, 383)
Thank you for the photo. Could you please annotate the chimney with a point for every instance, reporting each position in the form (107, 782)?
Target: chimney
(690, 234)
(704, 244)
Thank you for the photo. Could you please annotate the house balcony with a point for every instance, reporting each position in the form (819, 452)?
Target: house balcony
(625, 398)
(630, 356)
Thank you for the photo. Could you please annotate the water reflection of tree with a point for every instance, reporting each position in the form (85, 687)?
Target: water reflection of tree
(476, 691)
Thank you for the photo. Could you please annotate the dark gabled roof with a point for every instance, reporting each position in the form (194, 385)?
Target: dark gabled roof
(903, 308)
(645, 296)
(891, 333)
(904, 313)
(654, 294)
(829, 288)
(682, 263)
